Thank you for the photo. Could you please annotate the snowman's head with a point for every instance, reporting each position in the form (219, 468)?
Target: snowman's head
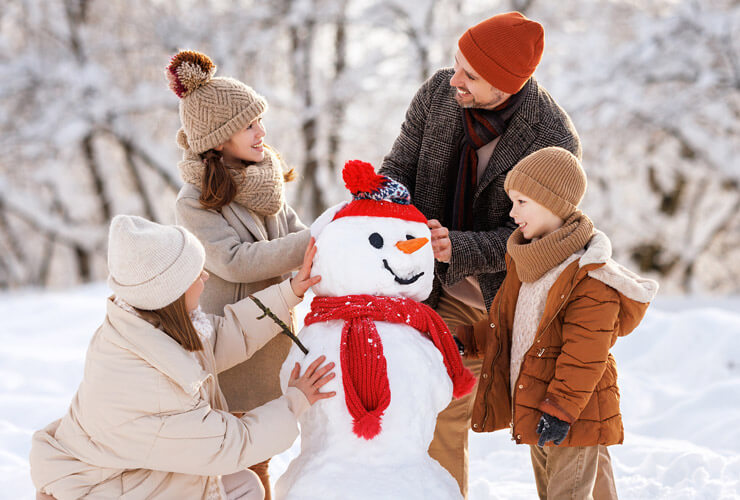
(375, 256)
(378, 244)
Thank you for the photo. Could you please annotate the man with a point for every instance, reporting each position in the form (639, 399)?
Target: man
(464, 130)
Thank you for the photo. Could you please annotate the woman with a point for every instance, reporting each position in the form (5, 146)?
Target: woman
(149, 416)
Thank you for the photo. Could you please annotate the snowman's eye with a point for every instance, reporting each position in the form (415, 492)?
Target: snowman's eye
(409, 237)
(376, 240)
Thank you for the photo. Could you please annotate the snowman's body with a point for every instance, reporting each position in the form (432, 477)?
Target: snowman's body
(359, 255)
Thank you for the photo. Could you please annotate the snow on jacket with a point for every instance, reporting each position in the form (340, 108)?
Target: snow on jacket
(568, 371)
(149, 418)
(428, 149)
(245, 253)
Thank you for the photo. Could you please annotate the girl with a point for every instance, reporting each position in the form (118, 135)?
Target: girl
(233, 201)
(149, 417)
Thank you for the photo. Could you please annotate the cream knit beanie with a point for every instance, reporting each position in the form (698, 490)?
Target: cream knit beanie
(552, 177)
(151, 265)
(212, 109)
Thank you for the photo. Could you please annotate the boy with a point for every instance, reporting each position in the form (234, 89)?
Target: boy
(547, 371)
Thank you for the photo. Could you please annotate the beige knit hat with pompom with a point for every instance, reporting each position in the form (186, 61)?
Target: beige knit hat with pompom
(212, 109)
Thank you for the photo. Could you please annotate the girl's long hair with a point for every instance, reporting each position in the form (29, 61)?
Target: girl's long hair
(174, 320)
(218, 187)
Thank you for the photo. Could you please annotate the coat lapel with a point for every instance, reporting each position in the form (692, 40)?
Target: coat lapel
(249, 220)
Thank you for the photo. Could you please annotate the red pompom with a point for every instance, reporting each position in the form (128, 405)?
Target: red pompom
(367, 427)
(360, 176)
(463, 384)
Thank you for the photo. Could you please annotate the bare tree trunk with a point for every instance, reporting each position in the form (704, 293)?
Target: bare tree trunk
(521, 5)
(83, 256)
(138, 182)
(93, 166)
(336, 121)
(165, 174)
(419, 38)
(302, 39)
(14, 258)
(76, 11)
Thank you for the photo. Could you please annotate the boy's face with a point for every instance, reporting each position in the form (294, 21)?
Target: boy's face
(534, 220)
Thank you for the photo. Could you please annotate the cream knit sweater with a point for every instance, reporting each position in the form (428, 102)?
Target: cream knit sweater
(529, 308)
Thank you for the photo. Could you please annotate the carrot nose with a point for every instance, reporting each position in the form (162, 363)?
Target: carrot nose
(411, 246)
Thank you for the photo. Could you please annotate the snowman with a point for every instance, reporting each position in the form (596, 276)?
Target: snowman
(397, 363)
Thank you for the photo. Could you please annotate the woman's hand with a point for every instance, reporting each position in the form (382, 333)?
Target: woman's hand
(302, 281)
(315, 377)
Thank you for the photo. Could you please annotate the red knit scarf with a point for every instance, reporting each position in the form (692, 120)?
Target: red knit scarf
(364, 372)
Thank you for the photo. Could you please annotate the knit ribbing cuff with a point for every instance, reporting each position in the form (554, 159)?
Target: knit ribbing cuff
(297, 401)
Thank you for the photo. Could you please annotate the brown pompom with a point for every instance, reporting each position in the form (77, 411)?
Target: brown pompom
(189, 70)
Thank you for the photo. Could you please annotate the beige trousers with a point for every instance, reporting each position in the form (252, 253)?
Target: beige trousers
(450, 444)
(263, 473)
(573, 472)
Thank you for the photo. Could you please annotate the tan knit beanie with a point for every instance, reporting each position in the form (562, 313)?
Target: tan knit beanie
(151, 265)
(552, 177)
(212, 109)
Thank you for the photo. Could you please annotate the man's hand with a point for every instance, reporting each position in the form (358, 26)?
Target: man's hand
(441, 244)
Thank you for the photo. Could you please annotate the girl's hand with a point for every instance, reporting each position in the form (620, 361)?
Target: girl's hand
(302, 281)
(313, 379)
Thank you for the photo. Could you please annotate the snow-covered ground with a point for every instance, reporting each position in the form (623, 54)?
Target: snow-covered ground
(679, 379)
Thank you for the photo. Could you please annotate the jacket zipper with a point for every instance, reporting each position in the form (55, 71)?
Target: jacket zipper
(541, 351)
(498, 352)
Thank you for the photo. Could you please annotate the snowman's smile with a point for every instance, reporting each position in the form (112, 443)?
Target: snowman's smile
(402, 281)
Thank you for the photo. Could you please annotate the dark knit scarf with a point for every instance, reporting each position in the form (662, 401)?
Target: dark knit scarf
(533, 258)
(364, 371)
(480, 126)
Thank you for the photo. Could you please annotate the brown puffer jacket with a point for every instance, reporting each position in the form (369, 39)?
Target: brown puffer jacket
(568, 371)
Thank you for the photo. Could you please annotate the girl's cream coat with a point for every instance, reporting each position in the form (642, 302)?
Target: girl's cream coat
(245, 253)
(148, 420)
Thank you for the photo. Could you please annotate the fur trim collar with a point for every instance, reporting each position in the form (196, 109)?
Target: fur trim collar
(626, 282)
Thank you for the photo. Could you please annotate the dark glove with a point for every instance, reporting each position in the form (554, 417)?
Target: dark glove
(551, 429)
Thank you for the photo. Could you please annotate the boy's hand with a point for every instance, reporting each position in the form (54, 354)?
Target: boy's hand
(313, 379)
(551, 429)
(302, 281)
(441, 244)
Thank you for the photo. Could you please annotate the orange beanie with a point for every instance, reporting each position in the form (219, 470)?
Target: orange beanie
(504, 49)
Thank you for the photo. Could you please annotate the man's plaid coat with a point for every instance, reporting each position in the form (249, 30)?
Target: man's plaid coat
(427, 152)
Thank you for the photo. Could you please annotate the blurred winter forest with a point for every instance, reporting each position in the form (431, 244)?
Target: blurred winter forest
(87, 122)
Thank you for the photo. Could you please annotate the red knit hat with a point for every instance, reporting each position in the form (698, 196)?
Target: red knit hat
(504, 49)
(376, 195)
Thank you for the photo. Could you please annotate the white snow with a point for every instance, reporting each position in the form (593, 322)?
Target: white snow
(679, 375)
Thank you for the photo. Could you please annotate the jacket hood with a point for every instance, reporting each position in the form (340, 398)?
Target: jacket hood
(635, 292)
